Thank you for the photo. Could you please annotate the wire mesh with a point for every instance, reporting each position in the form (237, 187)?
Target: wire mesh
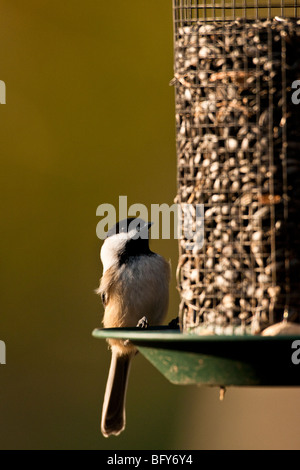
(238, 134)
(190, 11)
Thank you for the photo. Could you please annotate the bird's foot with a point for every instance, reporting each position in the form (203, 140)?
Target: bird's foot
(142, 323)
(174, 324)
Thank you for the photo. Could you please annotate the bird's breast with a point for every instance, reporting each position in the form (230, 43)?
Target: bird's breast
(141, 288)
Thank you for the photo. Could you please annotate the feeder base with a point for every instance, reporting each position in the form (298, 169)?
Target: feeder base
(186, 359)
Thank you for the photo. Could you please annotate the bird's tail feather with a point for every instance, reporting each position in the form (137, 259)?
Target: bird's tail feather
(113, 412)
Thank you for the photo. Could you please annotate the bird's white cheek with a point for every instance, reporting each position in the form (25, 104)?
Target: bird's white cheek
(107, 257)
(110, 250)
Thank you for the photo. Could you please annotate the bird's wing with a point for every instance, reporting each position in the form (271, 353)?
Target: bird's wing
(106, 284)
(104, 298)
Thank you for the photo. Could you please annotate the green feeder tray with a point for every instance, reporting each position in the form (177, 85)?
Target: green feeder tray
(214, 360)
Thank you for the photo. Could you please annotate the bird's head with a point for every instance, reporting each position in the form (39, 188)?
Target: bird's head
(128, 238)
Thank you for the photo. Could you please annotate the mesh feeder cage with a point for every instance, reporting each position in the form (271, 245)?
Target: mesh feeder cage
(238, 134)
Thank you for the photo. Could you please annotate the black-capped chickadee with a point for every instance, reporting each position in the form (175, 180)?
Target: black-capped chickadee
(135, 283)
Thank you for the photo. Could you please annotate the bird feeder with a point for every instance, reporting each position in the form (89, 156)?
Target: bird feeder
(236, 72)
(238, 134)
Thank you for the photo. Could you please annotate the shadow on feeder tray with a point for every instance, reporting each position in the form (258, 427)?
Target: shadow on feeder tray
(215, 360)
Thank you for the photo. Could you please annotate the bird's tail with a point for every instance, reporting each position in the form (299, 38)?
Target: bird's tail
(113, 412)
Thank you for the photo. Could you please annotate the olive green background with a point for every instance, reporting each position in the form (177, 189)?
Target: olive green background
(89, 117)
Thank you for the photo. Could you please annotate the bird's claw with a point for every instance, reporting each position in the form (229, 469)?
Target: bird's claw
(174, 324)
(142, 323)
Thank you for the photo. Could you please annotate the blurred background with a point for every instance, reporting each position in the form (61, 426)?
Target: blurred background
(89, 117)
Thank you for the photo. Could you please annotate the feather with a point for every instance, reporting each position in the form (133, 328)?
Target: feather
(113, 412)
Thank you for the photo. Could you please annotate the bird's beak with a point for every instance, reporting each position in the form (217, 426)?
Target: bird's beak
(144, 232)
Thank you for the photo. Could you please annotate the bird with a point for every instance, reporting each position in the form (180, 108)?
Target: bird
(134, 285)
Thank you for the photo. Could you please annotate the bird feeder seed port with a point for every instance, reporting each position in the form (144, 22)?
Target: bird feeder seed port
(236, 67)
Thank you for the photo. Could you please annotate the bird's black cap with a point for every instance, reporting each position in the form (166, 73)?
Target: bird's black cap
(132, 223)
